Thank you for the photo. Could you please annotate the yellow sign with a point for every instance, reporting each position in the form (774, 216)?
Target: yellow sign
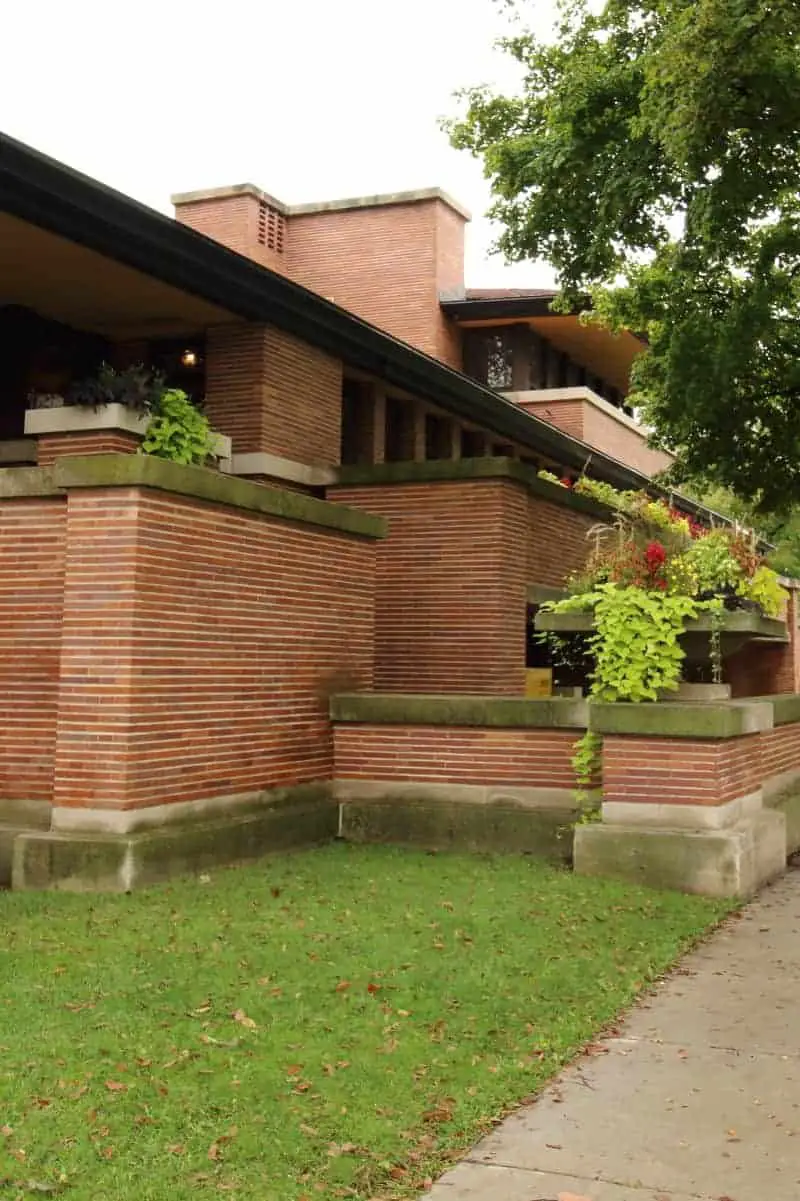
(538, 683)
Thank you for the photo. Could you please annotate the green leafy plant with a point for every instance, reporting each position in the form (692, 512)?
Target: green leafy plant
(587, 764)
(764, 589)
(711, 562)
(551, 478)
(178, 431)
(137, 388)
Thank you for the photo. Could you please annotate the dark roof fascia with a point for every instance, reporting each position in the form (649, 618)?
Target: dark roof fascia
(49, 194)
(500, 307)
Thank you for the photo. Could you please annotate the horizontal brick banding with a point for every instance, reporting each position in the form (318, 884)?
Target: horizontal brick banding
(86, 442)
(200, 646)
(557, 541)
(781, 750)
(271, 392)
(451, 585)
(31, 589)
(388, 264)
(456, 755)
(679, 771)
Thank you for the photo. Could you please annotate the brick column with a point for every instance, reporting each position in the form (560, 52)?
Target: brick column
(273, 393)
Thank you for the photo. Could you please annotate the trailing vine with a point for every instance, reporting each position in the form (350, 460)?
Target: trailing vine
(587, 761)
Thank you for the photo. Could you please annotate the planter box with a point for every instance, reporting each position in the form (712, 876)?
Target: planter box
(83, 419)
(110, 419)
(738, 628)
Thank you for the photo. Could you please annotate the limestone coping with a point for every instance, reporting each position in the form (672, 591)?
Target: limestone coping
(380, 200)
(146, 471)
(69, 419)
(448, 470)
(19, 483)
(373, 708)
(17, 451)
(667, 719)
(785, 707)
(580, 394)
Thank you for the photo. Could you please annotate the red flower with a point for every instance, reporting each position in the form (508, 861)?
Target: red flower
(566, 481)
(655, 557)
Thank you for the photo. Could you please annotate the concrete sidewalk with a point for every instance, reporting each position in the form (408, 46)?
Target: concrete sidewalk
(698, 1097)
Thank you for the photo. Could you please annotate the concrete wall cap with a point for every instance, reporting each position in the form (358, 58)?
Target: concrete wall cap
(371, 708)
(201, 483)
(666, 719)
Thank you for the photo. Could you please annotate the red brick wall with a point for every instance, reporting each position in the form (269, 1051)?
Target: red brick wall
(387, 264)
(566, 414)
(557, 541)
(271, 392)
(451, 582)
(31, 591)
(233, 221)
(680, 771)
(781, 749)
(452, 754)
(88, 442)
(621, 442)
(585, 421)
(200, 646)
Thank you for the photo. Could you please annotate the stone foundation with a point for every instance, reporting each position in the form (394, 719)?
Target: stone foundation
(90, 860)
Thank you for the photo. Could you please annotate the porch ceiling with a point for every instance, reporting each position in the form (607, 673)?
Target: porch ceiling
(603, 353)
(70, 283)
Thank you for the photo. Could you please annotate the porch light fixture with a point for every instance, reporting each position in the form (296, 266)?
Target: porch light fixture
(189, 358)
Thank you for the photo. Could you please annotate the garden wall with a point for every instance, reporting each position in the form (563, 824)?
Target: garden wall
(32, 548)
(172, 637)
(466, 539)
(467, 771)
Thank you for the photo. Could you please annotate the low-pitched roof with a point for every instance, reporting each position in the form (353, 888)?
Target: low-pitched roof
(46, 193)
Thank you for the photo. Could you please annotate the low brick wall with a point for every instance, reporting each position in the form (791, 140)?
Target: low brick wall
(171, 636)
(466, 539)
(478, 772)
(667, 771)
(439, 754)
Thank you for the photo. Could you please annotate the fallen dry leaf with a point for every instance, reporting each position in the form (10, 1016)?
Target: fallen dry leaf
(241, 1017)
(116, 1086)
(342, 986)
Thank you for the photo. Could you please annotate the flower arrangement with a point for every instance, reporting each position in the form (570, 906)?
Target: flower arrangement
(647, 572)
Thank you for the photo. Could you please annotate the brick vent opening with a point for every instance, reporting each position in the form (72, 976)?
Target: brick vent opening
(271, 227)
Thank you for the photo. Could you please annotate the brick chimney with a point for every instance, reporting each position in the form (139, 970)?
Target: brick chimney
(385, 258)
(241, 217)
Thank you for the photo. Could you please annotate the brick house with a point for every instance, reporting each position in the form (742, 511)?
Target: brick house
(179, 644)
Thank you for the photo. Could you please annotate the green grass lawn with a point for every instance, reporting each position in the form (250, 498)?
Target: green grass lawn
(331, 1023)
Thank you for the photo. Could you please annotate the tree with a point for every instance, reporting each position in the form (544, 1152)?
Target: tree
(652, 155)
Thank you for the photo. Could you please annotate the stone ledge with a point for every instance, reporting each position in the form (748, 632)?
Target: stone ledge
(82, 861)
(733, 862)
(74, 419)
(449, 470)
(18, 483)
(146, 471)
(507, 796)
(440, 825)
(667, 719)
(370, 708)
(785, 707)
(261, 463)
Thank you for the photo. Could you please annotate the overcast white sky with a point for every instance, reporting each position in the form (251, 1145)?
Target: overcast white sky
(308, 99)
